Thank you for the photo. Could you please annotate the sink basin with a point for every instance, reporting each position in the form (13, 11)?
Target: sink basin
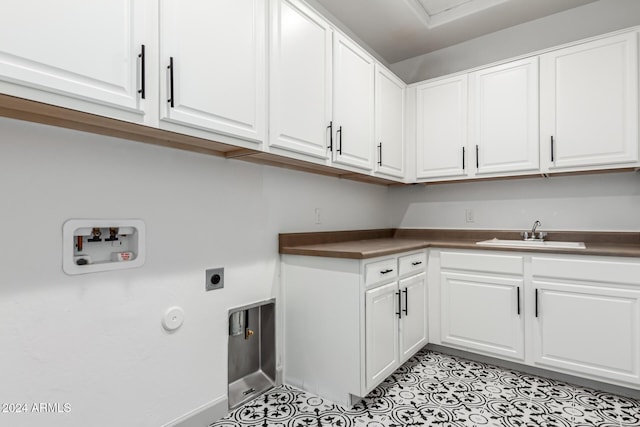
(532, 244)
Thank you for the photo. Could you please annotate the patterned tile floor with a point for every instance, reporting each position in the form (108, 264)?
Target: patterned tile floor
(435, 389)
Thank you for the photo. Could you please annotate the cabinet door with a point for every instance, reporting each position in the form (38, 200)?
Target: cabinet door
(300, 79)
(503, 116)
(592, 329)
(352, 104)
(75, 52)
(482, 313)
(389, 122)
(413, 324)
(217, 52)
(381, 333)
(589, 104)
(441, 128)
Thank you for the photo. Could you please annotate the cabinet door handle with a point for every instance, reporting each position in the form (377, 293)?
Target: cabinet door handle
(518, 299)
(170, 67)
(463, 156)
(330, 127)
(143, 73)
(416, 263)
(477, 157)
(552, 148)
(406, 301)
(339, 131)
(380, 157)
(536, 303)
(399, 312)
(388, 270)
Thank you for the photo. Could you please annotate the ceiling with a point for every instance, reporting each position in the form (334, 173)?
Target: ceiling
(401, 29)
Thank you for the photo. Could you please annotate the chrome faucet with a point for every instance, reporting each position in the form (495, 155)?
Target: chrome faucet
(535, 225)
(540, 235)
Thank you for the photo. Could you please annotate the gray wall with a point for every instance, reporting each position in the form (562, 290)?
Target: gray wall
(574, 24)
(589, 202)
(95, 341)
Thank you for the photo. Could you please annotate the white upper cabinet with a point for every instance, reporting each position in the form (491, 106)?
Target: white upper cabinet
(389, 122)
(441, 128)
(353, 107)
(83, 55)
(589, 104)
(503, 117)
(300, 79)
(213, 66)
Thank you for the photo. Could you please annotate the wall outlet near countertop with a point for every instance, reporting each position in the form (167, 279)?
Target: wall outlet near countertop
(469, 215)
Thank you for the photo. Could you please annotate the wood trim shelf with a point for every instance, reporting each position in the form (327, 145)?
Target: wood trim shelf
(37, 112)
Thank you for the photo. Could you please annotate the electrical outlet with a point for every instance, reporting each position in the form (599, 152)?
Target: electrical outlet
(468, 215)
(316, 213)
(214, 279)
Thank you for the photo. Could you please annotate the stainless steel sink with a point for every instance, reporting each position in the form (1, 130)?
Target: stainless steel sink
(532, 244)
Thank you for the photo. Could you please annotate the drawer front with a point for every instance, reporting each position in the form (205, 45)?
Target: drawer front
(489, 263)
(413, 263)
(380, 271)
(599, 270)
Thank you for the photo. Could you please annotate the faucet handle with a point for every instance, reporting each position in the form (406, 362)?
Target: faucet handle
(525, 235)
(542, 235)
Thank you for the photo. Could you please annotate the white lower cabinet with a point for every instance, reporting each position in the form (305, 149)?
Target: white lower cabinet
(578, 315)
(480, 303)
(413, 324)
(350, 323)
(396, 325)
(587, 323)
(382, 355)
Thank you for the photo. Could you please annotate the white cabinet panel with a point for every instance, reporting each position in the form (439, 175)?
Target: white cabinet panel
(382, 356)
(482, 313)
(503, 113)
(412, 264)
(353, 100)
(389, 121)
(442, 128)
(380, 271)
(217, 49)
(76, 51)
(413, 324)
(592, 329)
(300, 79)
(480, 261)
(342, 312)
(589, 104)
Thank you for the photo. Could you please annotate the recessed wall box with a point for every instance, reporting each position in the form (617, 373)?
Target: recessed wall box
(92, 245)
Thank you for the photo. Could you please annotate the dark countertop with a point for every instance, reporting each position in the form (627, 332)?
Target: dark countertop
(389, 241)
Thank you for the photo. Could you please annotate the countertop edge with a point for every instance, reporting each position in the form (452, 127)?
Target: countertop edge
(623, 250)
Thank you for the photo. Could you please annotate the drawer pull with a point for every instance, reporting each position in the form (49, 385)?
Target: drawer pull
(388, 270)
(416, 263)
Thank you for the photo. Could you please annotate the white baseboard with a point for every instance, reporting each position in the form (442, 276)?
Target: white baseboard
(203, 416)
